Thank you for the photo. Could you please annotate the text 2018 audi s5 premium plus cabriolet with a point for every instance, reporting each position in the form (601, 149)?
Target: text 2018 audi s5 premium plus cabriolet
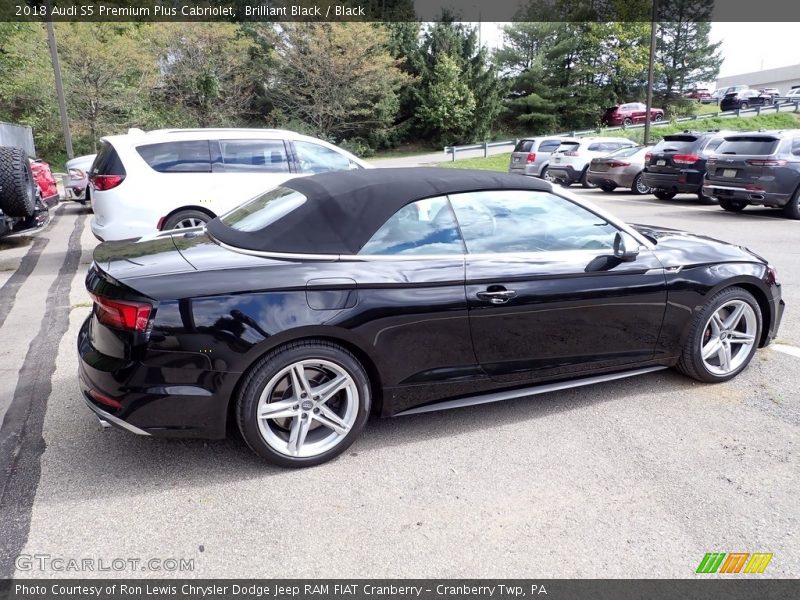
(398, 291)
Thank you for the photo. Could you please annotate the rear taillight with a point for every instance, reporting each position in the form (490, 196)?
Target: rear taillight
(766, 163)
(614, 164)
(76, 174)
(531, 157)
(122, 314)
(648, 156)
(753, 188)
(103, 399)
(106, 182)
(685, 159)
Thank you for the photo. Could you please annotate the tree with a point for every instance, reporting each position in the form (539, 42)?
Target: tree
(447, 105)
(338, 78)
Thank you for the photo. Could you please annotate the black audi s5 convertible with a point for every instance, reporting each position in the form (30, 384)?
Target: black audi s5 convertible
(400, 291)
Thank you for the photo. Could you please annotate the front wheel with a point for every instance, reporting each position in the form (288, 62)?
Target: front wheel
(664, 194)
(546, 175)
(658, 117)
(723, 337)
(304, 403)
(639, 187)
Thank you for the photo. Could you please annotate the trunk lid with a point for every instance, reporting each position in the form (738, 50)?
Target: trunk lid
(131, 260)
(673, 153)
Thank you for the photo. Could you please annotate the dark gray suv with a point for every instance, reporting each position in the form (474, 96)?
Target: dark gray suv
(760, 168)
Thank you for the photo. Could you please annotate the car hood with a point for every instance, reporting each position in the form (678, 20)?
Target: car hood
(679, 248)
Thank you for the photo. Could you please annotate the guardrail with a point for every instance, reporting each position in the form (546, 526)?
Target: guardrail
(755, 111)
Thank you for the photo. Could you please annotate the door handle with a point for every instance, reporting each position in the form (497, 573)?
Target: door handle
(497, 296)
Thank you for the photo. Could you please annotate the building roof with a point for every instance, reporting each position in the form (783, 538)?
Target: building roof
(762, 78)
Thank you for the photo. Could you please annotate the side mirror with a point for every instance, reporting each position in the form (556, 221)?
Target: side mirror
(626, 248)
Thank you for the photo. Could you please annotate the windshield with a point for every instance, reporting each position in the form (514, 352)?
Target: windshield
(264, 210)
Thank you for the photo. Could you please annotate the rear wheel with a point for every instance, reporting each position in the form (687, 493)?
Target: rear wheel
(638, 186)
(546, 175)
(733, 205)
(664, 194)
(17, 186)
(627, 121)
(792, 208)
(723, 337)
(186, 218)
(607, 187)
(304, 403)
(744, 106)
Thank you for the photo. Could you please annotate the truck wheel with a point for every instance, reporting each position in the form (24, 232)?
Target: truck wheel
(17, 188)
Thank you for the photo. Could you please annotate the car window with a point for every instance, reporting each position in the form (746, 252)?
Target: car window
(796, 146)
(191, 156)
(602, 147)
(524, 146)
(713, 145)
(319, 159)
(748, 146)
(675, 144)
(251, 156)
(569, 147)
(425, 227)
(264, 210)
(626, 151)
(549, 146)
(527, 221)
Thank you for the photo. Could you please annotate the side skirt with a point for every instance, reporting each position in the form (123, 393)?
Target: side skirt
(528, 391)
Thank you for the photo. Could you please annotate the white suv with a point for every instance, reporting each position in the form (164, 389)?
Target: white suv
(570, 162)
(141, 183)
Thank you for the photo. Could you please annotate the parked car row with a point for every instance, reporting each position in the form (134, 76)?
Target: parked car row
(732, 168)
(743, 96)
(144, 182)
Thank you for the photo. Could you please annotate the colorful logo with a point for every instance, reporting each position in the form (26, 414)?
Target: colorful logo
(734, 562)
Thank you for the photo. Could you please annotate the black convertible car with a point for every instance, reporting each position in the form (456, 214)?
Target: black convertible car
(399, 291)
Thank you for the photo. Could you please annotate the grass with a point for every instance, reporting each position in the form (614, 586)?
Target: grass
(404, 150)
(496, 162)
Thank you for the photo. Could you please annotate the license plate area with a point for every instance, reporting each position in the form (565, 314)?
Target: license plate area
(661, 163)
(729, 172)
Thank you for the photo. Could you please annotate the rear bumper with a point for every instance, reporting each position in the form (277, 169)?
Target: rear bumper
(150, 400)
(532, 170)
(726, 191)
(686, 182)
(565, 173)
(619, 179)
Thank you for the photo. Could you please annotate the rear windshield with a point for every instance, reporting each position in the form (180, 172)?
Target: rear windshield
(524, 146)
(748, 146)
(676, 143)
(568, 146)
(264, 210)
(549, 145)
(107, 161)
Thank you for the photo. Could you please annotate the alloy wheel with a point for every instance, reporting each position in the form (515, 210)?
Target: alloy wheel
(308, 408)
(189, 222)
(728, 337)
(641, 187)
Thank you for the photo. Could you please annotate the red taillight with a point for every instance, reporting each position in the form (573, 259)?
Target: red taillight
(648, 156)
(103, 399)
(106, 182)
(122, 314)
(685, 159)
(753, 188)
(614, 164)
(766, 163)
(531, 157)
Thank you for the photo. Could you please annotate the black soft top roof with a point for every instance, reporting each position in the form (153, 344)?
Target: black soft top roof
(344, 209)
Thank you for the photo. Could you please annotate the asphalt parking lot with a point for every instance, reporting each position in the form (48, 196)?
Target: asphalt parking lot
(635, 478)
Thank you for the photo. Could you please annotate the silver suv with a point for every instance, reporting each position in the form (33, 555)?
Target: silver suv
(761, 168)
(531, 156)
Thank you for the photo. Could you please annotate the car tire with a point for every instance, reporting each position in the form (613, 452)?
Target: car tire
(744, 106)
(184, 219)
(627, 122)
(638, 187)
(545, 174)
(658, 117)
(607, 188)
(664, 194)
(585, 181)
(792, 208)
(732, 205)
(17, 186)
(324, 427)
(705, 199)
(708, 354)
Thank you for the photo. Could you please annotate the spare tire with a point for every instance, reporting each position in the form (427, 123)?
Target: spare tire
(17, 188)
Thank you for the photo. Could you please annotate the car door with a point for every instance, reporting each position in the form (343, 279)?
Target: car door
(544, 297)
(639, 112)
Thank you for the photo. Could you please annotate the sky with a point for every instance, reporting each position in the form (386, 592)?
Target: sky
(746, 47)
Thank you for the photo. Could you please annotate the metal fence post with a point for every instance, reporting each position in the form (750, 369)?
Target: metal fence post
(454, 153)
(485, 149)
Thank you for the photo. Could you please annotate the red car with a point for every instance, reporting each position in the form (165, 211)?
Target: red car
(701, 95)
(45, 181)
(628, 114)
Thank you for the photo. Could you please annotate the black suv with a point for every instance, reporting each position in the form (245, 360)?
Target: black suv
(757, 168)
(744, 99)
(677, 164)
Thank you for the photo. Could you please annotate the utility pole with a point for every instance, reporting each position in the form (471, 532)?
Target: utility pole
(650, 71)
(62, 105)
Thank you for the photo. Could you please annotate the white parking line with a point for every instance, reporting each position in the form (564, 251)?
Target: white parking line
(786, 349)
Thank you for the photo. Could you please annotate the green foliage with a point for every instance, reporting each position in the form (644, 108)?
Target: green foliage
(447, 105)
